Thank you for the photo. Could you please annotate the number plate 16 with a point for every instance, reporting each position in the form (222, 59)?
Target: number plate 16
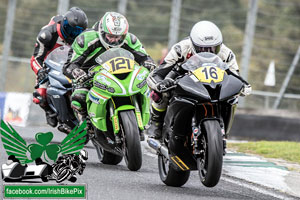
(209, 73)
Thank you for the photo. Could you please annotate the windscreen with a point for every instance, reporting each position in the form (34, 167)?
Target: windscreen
(113, 53)
(204, 59)
(58, 56)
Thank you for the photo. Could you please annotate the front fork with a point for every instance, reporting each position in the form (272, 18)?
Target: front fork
(197, 141)
(195, 137)
(115, 119)
(111, 116)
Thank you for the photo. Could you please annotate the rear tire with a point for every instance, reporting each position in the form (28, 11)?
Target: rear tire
(169, 175)
(210, 166)
(132, 147)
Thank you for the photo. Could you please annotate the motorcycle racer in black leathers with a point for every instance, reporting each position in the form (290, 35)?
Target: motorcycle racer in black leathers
(61, 30)
(205, 36)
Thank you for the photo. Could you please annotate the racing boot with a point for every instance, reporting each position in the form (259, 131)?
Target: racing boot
(39, 97)
(51, 118)
(64, 128)
(156, 124)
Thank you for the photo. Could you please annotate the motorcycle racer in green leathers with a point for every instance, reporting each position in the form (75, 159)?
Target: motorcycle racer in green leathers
(111, 31)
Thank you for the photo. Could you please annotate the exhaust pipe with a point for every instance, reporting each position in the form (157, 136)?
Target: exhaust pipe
(157, 146)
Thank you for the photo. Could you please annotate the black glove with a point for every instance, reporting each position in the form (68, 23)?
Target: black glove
(79, 75)
(150, 65)
(42, 74)
(166, 83)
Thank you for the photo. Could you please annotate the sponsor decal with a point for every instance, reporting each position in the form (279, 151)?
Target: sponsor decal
(93, 98)
(116, 123)
(142, 76)
(139, 118)
(103, 79)
(209, 38)
(142, 84)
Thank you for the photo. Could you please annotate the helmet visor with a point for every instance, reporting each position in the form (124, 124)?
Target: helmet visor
(113, 40)
(214, 50)
(73, 32)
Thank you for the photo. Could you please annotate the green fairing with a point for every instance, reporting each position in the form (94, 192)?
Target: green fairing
(98, 98)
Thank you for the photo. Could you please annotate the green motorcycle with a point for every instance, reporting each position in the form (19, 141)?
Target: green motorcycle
(118, 106)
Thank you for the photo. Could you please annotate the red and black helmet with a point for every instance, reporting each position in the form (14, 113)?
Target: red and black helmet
(74, 22)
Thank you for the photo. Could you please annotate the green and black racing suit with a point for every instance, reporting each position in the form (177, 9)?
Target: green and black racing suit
(85, 49)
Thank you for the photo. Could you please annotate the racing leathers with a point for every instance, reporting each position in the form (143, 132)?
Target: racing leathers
(178, 54)
(82, 55)
(48, 39)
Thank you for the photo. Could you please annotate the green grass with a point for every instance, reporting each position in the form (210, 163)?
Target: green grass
(289, 151)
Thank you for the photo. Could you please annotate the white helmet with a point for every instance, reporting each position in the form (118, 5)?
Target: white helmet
(113, 29)
(206, 37)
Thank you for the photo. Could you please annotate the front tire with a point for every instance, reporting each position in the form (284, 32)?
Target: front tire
(132, 146)
(63, 175)
(210, 164)
(106, 157)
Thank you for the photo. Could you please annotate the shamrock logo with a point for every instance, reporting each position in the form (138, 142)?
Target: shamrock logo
(15, 145)
(36, 150)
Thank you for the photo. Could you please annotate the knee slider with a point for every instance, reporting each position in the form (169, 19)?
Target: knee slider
(76, 105)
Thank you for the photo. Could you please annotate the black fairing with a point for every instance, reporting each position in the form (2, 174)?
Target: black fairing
(230, 86)
(178, 122)
(189, 88)
(179, 115)
(205, 92)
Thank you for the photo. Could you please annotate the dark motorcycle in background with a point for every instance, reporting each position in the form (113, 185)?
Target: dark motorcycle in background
(59, 89)
(193, 133)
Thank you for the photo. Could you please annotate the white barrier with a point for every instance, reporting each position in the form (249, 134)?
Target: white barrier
(16, 108)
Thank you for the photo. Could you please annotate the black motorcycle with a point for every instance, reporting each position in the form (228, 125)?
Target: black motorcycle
(59, 89)
(196, 121)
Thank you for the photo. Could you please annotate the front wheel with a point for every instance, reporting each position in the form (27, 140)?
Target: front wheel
(132, 145)
(106, 157)
(169, 175)
(210, 162)
(63, 175)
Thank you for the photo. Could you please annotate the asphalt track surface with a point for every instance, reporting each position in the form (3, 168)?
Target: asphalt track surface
(117, 182)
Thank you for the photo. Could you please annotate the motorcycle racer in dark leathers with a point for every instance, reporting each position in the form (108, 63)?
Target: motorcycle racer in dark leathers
(205, 36)
(61, 30)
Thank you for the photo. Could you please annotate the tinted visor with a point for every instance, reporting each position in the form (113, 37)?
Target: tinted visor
(200, 49)
(113, 40)
(73, 32)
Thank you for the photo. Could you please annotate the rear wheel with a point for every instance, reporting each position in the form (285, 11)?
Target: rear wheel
(211, 160)
(169, 175)
(132, 145)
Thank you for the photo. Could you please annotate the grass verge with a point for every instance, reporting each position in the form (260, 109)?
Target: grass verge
(289, 151)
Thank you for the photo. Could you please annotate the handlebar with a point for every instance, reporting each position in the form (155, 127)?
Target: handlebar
(41, 82)
(168, 88)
